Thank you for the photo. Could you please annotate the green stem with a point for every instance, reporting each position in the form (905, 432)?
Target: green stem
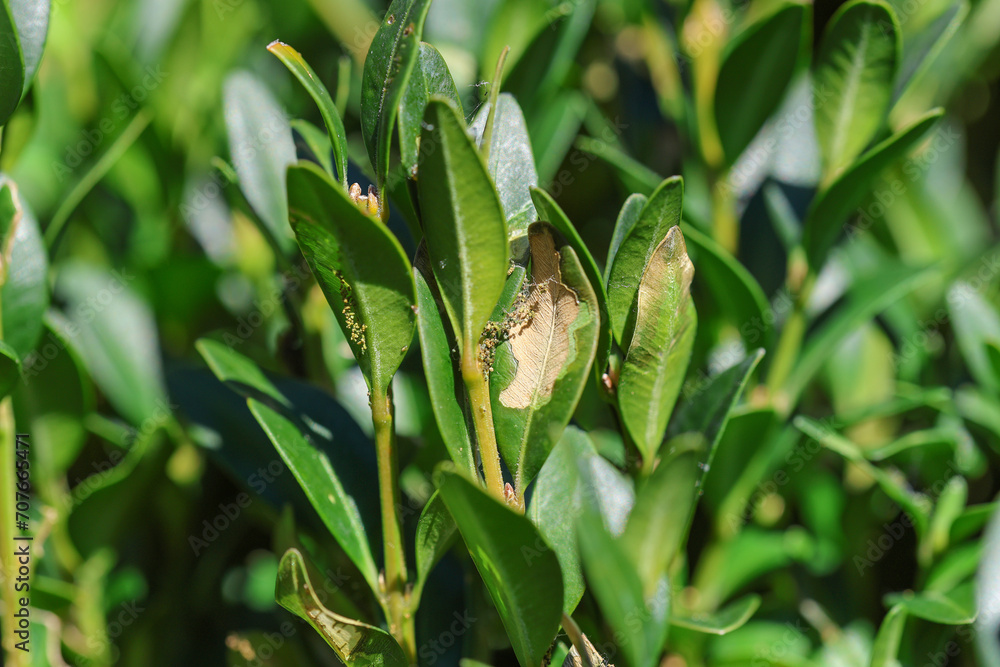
(800, 283)
(400, 615)
(725, 225)
(8, 487)
(482, 418)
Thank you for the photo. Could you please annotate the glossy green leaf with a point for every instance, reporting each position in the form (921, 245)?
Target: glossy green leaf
(438, 349)
(756, 69)
(435, 532)
(117, 341)
(657, 527)
(976, 323)
(262, 149)
(464, 224)
(574, 478)
(520, 571)
(954, 608)
(734, 288)
(852, 82)
(311, 467)
(657, 358)
(373, 301)
(24, 295)
(390, 61)
(512, 165)
(549, 211)
(32, 20)
(921, 50)
(628, 216)
(731, 617)
(639, 621)
(661, 212)
(297, 65)
(430, 77)
(10, 369)
(12, 72)
(830, 208)
(355, 643)
(889, 637)
(541, 369)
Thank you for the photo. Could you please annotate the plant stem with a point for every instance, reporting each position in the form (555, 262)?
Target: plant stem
(399, 612)
(8, 443)
(482, 418)
(577, 639)
(725, 225)
(800, 282)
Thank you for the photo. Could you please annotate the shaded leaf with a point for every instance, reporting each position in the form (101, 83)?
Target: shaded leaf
(10, 369)
(977, 329)
(954, 608)
(354, 642)
(32, 20)
(435, 533)
(519, 569)
(756, 69)
(722, 622)
(12, 72)
(889, 636)
(24, 295)
(512, 165)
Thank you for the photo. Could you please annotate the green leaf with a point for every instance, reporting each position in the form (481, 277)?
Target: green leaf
(549, 211)
(575, 477)
(354, 642)
(520, 571)
(830, 208)
(987, 592)
(855, 70)
(639, 621)
(262, 149)
(541, 369)
(373, 301)
(435, 530)
(12, 72)
(657, 527)
(629, 262)
(291, 435)
(318, 143)
(867, 298)
(115, 333)
(634, 174)
(438, 350)
(732, 617)
(657, 358)
(10, 369)
(734, 288)
(890, 634)
(512, 165)
(757, 67)
(977, 326)
(627, 219)
(297, 65)
(24, 295)
(391, 58)
(430, 77)
(955, 608)
(32, 20)
(464, 224)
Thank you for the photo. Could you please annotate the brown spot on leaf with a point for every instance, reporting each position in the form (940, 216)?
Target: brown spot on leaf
(541, 344)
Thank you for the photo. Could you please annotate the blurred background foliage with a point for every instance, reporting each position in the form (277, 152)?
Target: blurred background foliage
(121, 151)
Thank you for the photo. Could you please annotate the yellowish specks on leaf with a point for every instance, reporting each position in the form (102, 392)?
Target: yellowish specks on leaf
(355, 330)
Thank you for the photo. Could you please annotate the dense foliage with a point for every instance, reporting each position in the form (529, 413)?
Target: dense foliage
(633, 332)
